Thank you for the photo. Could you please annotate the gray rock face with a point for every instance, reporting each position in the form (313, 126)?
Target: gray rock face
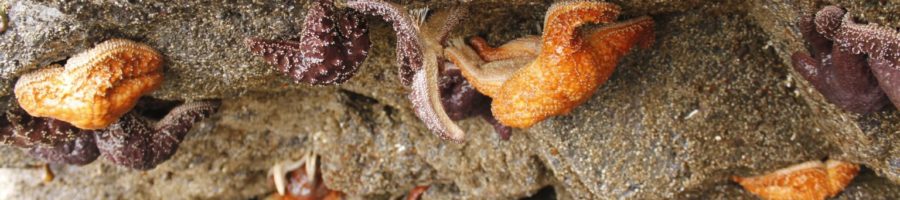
(714, 97)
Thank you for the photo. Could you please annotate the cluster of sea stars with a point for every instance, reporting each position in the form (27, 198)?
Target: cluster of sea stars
(139, 140)
(332, 45)
(533, 78)
(529, 79)
(838, 68)
(91, 106)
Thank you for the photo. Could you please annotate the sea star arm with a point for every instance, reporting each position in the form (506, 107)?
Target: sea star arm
(560, 35)
(135, 142)
(486, 77)
(820, 46)
(331, 48)
(81, 150)
(461, 100)
(525, 47)
(839, 74)
(409, 49)
(852, 85)
(48, 139)
(418, 55)
(880, 43)
(442, 22)
(615, 40)
(486, 67)
(810, 69)
(888, 74)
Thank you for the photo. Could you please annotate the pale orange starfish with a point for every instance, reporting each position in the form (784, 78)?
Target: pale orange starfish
(95, 87)
(533, 78)
(809, 180)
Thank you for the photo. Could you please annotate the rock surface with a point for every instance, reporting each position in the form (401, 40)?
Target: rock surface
(715, 97)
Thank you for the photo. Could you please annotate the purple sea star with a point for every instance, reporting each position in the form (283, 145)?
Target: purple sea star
(330, 49)
(461, 100)
(81, 150)
(137, 142)
(881, 44)
(132, 141)
(48, 139)
(839, 74)
(420, 54)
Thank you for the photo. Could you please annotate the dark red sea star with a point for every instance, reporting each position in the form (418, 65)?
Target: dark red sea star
(136, 142)
(48, 139)
(330, 49)
(839, 74)
(881, 44)
(132, 141)
(462, 101)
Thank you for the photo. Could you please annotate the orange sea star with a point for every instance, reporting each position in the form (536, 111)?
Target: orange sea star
(533, 78)
(809, 180)
(94, 88)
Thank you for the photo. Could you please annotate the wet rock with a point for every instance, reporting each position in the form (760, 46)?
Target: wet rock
(714, 97)
(867, 139)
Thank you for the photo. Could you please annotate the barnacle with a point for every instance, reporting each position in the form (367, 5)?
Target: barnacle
(533, 78)
(809, 180)
(300, 180)
(95, 87)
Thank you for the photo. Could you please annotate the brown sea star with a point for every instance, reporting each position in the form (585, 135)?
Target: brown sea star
(137, 142)
(420, 54)
(331, 47)
(839, 74)
(46, 138)
(132, 141)
(881, 44)
(531, 79)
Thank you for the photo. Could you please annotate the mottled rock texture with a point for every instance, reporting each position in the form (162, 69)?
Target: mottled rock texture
(714, 97)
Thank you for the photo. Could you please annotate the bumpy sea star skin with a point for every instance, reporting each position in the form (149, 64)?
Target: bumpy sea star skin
(839, 74)
(331, 47)
(420, 53)
(881, 44)
(51, 140)
(95, 87)
(82, 150)
(136, 142)
(809, 180)
(462, 101)
(531, 79)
